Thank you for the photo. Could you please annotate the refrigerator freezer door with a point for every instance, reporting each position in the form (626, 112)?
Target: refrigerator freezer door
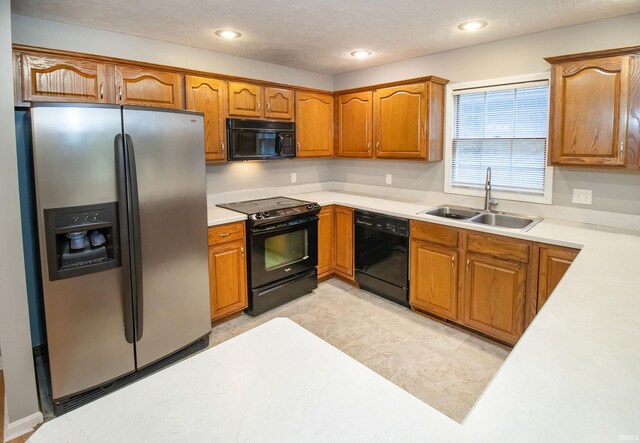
(74, 166)
(173, 303)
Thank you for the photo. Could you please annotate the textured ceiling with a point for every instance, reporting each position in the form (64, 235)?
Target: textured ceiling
(318, 35)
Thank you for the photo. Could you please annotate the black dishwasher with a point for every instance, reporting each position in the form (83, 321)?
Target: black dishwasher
(382, 255)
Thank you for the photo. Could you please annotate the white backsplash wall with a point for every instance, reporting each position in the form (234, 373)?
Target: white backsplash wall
(238, 179)
(614, 191)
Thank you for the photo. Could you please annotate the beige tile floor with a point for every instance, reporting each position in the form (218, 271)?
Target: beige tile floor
(441, 365)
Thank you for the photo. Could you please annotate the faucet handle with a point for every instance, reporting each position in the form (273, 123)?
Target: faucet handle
(493, 202)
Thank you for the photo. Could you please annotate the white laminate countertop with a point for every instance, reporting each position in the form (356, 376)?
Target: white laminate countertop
(574, 376)
(220, 216)
(275, 383)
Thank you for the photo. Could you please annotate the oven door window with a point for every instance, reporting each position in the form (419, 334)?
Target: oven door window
(252, 144)
(285, 249)
(282, 252)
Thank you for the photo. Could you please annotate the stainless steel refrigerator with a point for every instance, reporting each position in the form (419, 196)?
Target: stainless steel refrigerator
(122, 221)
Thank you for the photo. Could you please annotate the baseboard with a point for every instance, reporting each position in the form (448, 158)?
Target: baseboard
(23, 426)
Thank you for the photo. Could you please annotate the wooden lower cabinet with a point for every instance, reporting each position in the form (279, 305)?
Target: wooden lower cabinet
(553, 264)
(494, 296)
(227, 271)
(326, 241)
(434, 279)
(344, 242)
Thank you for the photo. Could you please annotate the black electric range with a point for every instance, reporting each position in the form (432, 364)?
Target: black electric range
(282, 245)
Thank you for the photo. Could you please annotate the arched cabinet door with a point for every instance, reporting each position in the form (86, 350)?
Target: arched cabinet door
(400, 115)
(245, 100)
(65, 79)
(139, 86)
(314, 125)
(588, 116)
(207, 95)
(355, 125)
(279, 103)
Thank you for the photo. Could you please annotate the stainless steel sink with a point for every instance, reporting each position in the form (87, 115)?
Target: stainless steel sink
(505, 221)
(454, 212)
(489, 218)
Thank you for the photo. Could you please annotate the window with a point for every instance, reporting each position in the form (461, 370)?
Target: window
(500, 124)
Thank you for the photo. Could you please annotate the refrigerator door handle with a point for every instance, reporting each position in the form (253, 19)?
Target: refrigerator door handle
(125, 259)
(134, 211)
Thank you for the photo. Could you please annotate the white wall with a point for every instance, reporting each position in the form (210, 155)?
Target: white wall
(514, 56)
(15, 338)
(55, 35)
(612, 190)
(242, 176)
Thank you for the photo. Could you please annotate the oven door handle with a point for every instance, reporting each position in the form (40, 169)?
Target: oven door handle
(284, 226)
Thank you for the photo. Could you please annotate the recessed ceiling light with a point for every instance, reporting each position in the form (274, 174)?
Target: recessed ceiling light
(229, 35)
(472, 25)
(361, 54)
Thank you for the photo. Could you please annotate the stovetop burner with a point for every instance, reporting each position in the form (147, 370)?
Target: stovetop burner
(274, 209)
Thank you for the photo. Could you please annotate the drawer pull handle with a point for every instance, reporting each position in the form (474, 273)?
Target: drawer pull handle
(468, 261)
(225, 234)
(453, 261)
(101, 92)
(242, 251)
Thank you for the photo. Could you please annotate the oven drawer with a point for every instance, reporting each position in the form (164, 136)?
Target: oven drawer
(226, 233)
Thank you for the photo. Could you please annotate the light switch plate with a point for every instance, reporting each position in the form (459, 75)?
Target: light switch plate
(294, 177)
(388, 179)
(582, 196)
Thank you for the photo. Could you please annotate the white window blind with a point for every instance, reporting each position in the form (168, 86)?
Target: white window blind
(503, 127)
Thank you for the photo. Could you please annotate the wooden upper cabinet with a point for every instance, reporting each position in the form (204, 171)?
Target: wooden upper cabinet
(326, 241)
(344, 241)
(433, 285)
(65, 79)
(207, 95)
(494, 296)
(279, 103)
(245, 100)
(588, 117)
(355, 125)
(400, 118)
(554, 262)
(314, 125)
(148, 87)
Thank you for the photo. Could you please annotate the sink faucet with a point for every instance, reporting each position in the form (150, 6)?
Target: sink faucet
(488, 201)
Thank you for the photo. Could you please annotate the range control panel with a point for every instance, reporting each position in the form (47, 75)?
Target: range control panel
(285, 212)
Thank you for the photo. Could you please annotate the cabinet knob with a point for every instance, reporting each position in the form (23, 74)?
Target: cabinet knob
(369, 147)
(453, 261)
(222, 146)
(242, 251)
(378, 146)
(258, 105)
(468, 261)
(269, 106)
(101, 91)
(621, 147)
(120, 93)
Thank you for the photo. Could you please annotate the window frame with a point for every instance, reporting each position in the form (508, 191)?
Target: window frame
(547, 197)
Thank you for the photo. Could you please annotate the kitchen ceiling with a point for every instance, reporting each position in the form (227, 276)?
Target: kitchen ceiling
(319, 35)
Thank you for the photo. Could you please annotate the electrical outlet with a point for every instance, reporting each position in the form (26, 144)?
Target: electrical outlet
(388, 179)
(582, 196)
(294, 177)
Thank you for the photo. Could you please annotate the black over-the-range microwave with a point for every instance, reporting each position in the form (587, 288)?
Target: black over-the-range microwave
(260, 140)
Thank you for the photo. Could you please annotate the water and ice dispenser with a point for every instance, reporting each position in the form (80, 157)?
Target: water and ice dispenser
(82, 240)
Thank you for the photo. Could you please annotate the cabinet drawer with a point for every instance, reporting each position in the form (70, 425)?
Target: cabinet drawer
(434, 234)
(507, 249)
(226, 233)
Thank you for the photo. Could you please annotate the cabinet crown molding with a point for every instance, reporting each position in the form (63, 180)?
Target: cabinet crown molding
(628, 50)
